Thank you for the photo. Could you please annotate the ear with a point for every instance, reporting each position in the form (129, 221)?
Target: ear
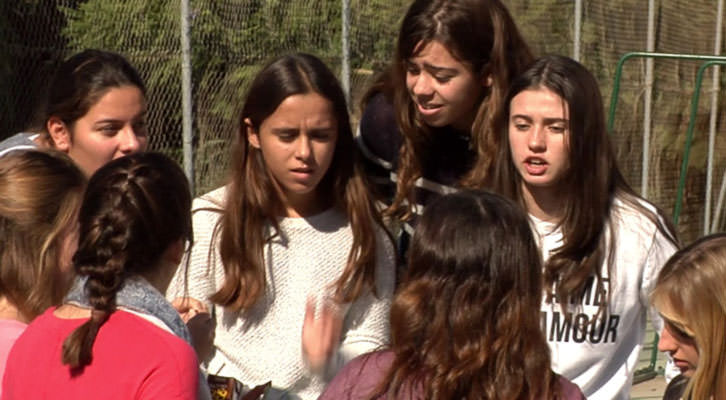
(59, 134)
(252, 135)
(487, 80)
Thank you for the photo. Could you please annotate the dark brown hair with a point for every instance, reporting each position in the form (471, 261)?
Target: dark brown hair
(251, 200)
(465, 322)
(40, 192)
(135, 207)
(80, 82)
(479, 33)
(593, 180)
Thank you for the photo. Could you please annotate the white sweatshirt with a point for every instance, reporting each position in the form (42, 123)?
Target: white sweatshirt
(601, 360)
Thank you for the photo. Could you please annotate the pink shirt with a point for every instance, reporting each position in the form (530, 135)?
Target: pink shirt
(132, 359)
(10, 329)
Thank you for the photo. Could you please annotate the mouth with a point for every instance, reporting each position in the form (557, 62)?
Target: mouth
(682, 364)
(428, 108)
(535, 165)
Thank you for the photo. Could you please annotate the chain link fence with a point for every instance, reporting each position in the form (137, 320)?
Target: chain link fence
(231, 39)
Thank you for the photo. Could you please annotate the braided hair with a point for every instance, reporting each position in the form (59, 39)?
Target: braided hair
(135, 207)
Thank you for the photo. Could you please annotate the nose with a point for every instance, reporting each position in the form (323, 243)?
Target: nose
(537, 140)
(666, 343)
(422, 86)
(303, 150)
(129, 141)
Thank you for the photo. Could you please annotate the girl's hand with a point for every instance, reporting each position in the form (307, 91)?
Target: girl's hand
(201, 326)
(321, 334)
(188, 307)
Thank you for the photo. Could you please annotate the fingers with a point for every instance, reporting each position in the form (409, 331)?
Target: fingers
(188, 307)
(321, 333)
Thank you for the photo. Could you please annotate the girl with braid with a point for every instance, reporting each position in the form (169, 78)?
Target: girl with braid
(116, 337)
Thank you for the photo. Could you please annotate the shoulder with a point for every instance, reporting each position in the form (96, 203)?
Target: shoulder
(360, 376)
(19, 141)
(676, 387)
(637, 216)
(158, 349)
(378, 132)
(213, 200)
(207, 208)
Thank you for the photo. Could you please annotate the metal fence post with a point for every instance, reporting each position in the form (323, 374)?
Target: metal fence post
(186, 78)
(345, 62)
(708, 225)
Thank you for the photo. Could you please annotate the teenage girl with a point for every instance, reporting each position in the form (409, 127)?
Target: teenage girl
(134, 222)
(290, 255)
(465, 321)
(426, 127)
(690, 295)
(602, 244)
(95, 111)
(40, 193)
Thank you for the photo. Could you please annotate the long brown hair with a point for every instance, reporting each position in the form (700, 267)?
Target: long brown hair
(593, 180)
(40, 192)
(480, 33)
(135, 207)
(251, 200)
(691, 290)
(465, 323)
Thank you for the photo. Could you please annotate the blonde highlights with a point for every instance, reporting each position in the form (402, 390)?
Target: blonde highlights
(691, 289)
(40, 192)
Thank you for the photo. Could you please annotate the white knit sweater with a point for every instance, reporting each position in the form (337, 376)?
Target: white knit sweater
(305, 260)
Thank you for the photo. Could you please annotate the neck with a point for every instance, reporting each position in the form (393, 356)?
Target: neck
(302, 205)
(9, 311)
(543, 203)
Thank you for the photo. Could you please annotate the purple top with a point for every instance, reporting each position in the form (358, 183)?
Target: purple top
(360, 377)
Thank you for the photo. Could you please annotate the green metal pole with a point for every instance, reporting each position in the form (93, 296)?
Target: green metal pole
(689, 135)
(645, 54)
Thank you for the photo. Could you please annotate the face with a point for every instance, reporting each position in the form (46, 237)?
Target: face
(113, 127)
(444, 90)
(297, 142)
(538, 131)
(680, 345)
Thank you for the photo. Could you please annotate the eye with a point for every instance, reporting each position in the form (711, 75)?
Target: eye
(322, 136)
(520, 126)
(108, 129)
(558, 128)
(678, 332)
(286, 136)
(412, 69)
(443, 78)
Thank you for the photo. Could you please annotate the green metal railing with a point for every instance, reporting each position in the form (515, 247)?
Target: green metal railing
(649, 371)
(709, 62)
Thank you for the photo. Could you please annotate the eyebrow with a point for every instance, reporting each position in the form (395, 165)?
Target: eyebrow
(141, 115)
(434, 68)
(546, 120)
